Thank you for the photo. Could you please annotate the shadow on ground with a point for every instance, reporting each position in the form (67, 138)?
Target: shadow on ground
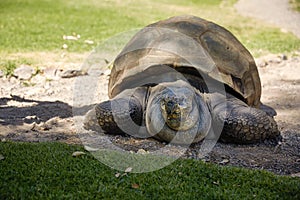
(29, 111)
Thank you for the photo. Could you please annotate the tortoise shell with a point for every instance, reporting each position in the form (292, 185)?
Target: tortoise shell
(186, 41)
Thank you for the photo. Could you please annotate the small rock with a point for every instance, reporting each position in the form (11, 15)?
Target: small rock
(262, 63)
(13, 80)
(141, 151)
(24, 72)
(1, 157)
(117, 175)
(88, 41)
(70, 37)
(284, 57)
(73, 73)
(38, 79)
(51, 72)
(64, 46)
(40, 127)
(224, 162)
(296, 175)
(271, 59)
(53, 122)
(1, 73)
(275, 59)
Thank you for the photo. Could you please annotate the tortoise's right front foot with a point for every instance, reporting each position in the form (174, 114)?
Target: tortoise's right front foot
(116, 116)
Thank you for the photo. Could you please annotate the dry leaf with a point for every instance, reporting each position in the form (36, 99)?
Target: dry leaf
(129, 169)
(88, 148)
(135, 186)
(216, 183)
(117, 175)
(1, 157)
(77, 153)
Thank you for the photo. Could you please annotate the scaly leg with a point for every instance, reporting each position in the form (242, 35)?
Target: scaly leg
(243, 124)
(117, 116)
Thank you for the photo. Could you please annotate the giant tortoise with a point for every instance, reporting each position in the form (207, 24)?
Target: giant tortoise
(183, 79)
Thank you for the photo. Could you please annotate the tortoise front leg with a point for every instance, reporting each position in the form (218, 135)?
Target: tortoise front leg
(243, 124)
(121, 115)
(116, 116)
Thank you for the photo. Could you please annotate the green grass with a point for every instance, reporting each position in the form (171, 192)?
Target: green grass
(9, 65)
(295, 4)
(48, 171)
(39, 25)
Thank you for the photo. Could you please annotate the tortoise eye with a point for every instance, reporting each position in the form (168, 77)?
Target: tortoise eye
(182, 105)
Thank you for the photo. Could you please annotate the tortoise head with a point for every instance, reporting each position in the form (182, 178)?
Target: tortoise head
(177, 110)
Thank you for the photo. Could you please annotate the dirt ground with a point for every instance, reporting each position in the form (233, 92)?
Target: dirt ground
(40, 109)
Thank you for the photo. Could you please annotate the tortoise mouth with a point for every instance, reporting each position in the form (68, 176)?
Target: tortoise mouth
(180, 124)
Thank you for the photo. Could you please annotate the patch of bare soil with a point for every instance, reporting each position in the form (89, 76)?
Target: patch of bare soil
(40, 109)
